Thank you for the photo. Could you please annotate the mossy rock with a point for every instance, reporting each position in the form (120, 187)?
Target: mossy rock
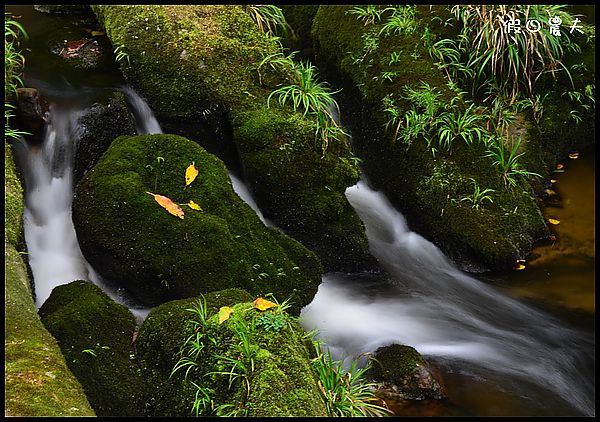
(405, 373)
(132, 240)
(282, 383)
(426, 189)
(100, 125)
(303, 190)
(37, 381)
(203, 84)
(95, 335)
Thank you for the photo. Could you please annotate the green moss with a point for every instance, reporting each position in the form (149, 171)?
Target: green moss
(282, 383)
(13, 200)
(204, 80)
(131, 239)
(37, 380)
(426, 189)
(95, 335)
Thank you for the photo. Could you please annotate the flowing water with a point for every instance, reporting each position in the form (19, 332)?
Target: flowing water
(499, 356)
(460, 322)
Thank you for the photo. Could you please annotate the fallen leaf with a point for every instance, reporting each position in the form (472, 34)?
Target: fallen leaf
(559, 166)
(169, 205)
(552, 180)
(553, 221)
(552, 237)
(194, 206)
(263, 304)
(550, 192)
(224, 313)
(518, 267)
(574, 155)
(190, 173)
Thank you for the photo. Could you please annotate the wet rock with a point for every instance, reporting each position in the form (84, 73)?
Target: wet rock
(63, 9)
(404, 374)
(133, 241)
(82, 53)
(94, 334)
(99, 125)
(281, 383)
(32, 112)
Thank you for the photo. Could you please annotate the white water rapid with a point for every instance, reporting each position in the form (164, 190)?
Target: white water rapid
(444, 313)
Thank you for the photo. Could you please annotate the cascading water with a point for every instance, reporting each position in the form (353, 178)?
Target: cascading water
(445, 314)
(145, 122)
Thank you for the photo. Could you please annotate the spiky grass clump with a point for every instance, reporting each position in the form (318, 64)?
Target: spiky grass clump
(13, 66)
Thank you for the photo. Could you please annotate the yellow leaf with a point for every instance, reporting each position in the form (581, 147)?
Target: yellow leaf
(552, 180)
(519, 267)
(553, 221)
(574, 155)
(263, 304)
(559, 166)
(194, 206)
(169, 205)
(224, 313)
(190, 173)
(96, 33)
(550, 192)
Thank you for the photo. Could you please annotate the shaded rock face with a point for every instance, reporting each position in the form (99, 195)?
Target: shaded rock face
(63, 9)
(95, 336)
(403, 373)
(98, 127)
(282, 382)
(130, 239)
(32, 112)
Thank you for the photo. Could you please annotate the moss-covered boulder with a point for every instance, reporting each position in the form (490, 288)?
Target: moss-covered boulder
(204, 83)
(37, 381)
(99, 125)
(427, 188)
(402, 372)
(129, 238)
(277, 378)
(95, 335)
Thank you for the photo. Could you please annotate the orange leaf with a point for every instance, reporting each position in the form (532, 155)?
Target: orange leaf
(169, 205)
(224, 313)
(263, 304)
(559, 166)
(190, 173)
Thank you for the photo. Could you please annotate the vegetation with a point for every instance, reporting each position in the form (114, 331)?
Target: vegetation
(13, 64)
(346, 391)
(508, 162)
(478, 197)
(269, 18)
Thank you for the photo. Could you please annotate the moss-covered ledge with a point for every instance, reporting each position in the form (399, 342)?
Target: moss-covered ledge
(37, 379)
(425, 188)
(197, 67)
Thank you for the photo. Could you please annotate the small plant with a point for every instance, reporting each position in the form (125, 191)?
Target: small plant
(403, 20)
(13, 65)
(508, 163)
(121, 55)
(369, 14)
(453, 125)
(346, 392)
(271, 321)
(395, 57)
(269, 18)
(277, 61)
(478, 196)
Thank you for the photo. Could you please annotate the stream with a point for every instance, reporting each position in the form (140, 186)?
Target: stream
(503, 347)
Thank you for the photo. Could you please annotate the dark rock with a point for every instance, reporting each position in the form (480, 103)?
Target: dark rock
(403, 372)
(32, 112)
(99, 125)
(94, 334)
(63, 9)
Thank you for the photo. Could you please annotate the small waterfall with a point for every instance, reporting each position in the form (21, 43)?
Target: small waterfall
(243, 192)
(446, 314)
(145, 122)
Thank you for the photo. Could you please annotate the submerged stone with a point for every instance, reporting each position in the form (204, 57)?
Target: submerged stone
(403, 373)
(130, 239)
